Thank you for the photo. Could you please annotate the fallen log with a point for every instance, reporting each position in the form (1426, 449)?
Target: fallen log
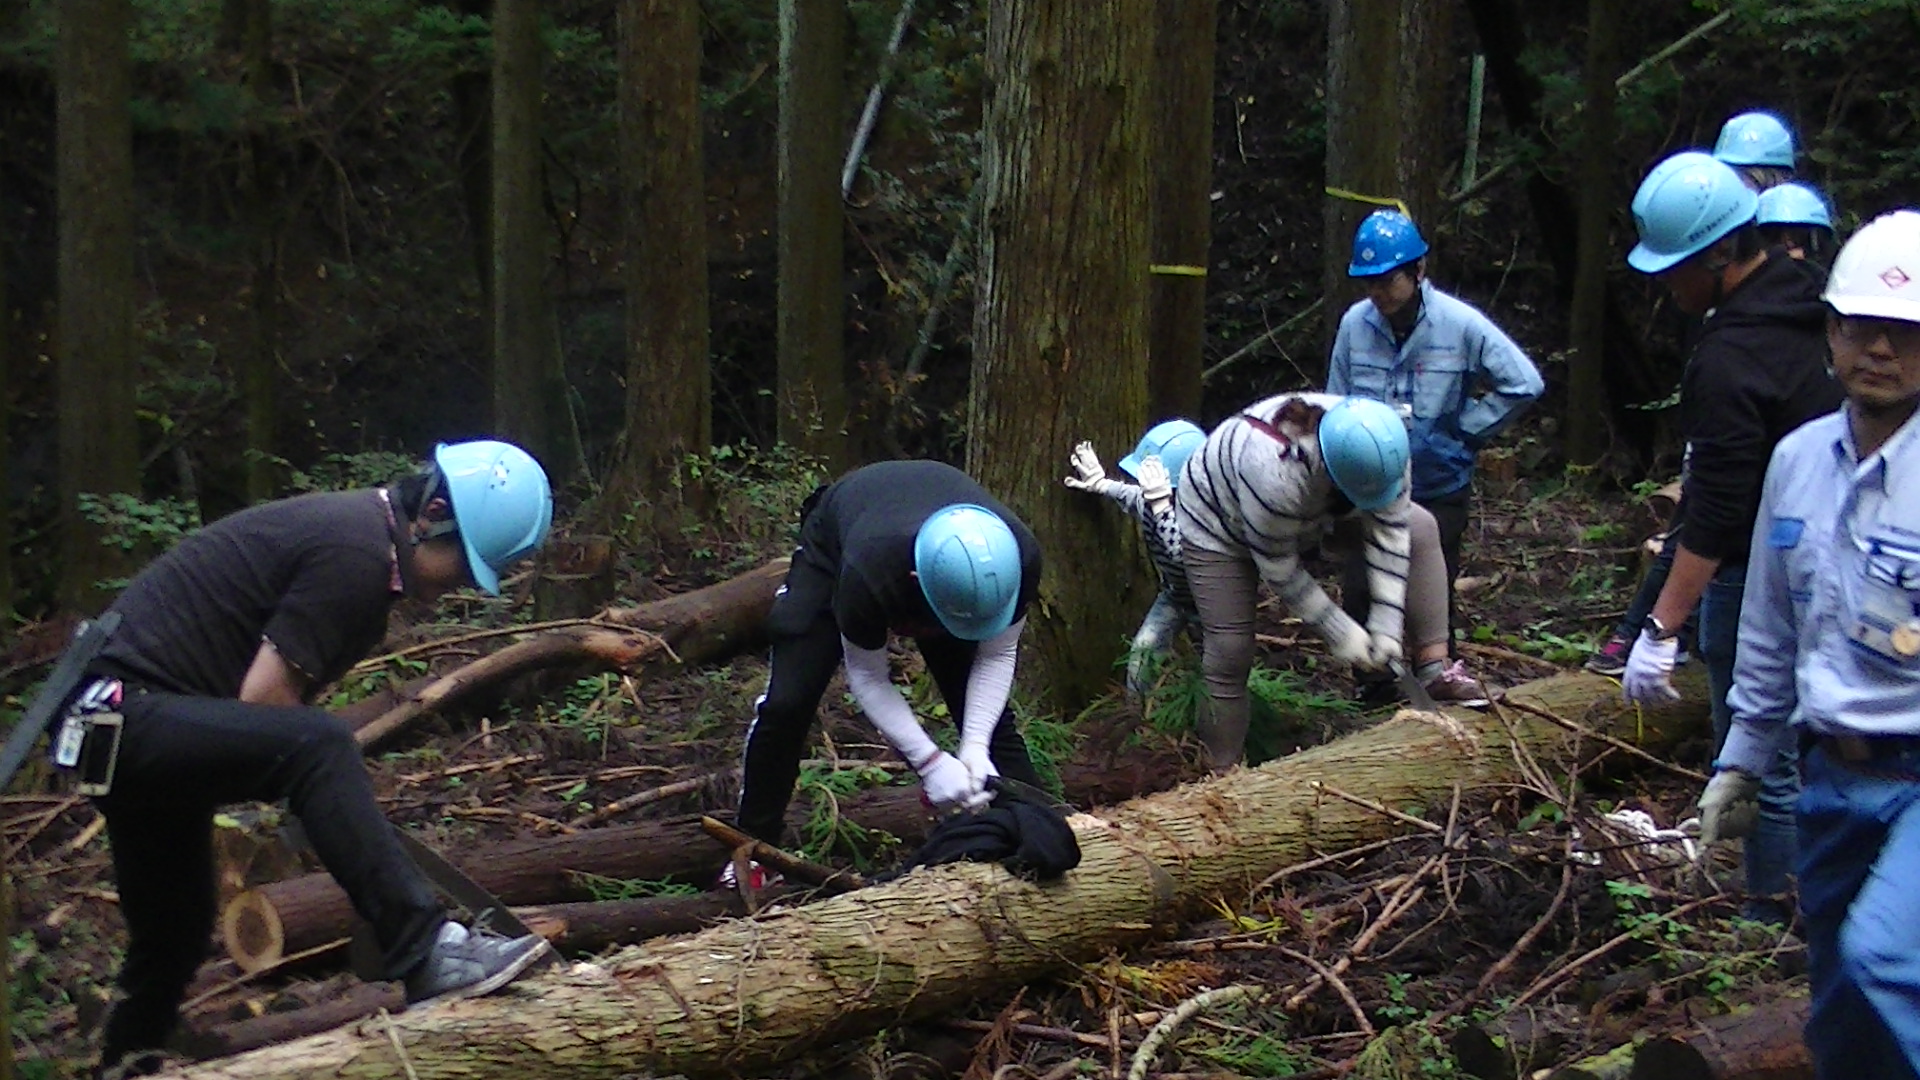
(214, 1039)
(690, 628)
(751, 992)
(1759, 1042)
(258, 926)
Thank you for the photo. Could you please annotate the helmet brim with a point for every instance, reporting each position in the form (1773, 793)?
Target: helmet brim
(1130, 464)
(1876, 307)
(1648, 261)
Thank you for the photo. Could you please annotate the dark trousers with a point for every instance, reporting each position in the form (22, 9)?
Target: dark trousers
(801, 666)
(180, 758)
(1450, 512)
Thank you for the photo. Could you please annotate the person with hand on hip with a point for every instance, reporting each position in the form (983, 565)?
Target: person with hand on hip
(1757, 371)
(223, 643)
(919, 550)
(1156, 463)
(1830, 652)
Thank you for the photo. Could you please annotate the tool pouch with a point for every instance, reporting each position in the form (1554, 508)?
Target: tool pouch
(87, 742)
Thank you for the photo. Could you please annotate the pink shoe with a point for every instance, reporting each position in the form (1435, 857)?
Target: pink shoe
(1611, 660)
(758, 878)
(1453, 686)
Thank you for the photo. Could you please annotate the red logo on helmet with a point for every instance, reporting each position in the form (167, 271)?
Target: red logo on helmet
(1894, 277)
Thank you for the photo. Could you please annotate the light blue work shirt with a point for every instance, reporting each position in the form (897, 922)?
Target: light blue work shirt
(1830, 628)
(1464, 377)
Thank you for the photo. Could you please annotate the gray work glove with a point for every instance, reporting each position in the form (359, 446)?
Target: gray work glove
(1730, 806)
(1087, 473)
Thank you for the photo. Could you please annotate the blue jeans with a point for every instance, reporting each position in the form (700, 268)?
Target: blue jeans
(1860, 898)
(1770, 850)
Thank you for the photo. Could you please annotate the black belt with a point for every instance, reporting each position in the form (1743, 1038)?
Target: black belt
(1863, 749)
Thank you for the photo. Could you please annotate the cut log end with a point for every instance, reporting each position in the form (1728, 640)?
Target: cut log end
(251, 931)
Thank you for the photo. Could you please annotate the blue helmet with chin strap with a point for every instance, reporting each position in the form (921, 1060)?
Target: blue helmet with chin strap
(502, 504)
(1172, 441)
(1364, 443)
(1685, 204)
(1385, 240)
(1793, 203)
(968, 563)
(1756, 138)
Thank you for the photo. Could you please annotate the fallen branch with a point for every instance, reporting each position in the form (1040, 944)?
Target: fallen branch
(1149, 1051)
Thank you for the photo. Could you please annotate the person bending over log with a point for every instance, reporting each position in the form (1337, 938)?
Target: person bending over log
(1265, 485)
(917, 549)
(1156, 464)
(222, 643)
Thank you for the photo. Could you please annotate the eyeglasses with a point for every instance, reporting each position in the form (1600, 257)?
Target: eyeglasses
(1860, 330)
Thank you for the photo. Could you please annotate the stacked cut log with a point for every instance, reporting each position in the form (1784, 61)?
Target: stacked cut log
(751, 992)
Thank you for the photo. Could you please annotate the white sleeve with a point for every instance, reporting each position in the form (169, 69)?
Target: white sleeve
(872, 686)
(989, 684)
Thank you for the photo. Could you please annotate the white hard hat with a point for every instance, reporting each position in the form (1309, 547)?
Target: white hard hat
(1877, 274)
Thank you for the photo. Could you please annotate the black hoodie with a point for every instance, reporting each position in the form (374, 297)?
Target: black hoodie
(1758, 370)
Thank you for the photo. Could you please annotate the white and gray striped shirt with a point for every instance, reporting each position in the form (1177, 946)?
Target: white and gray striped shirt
(1246, 492)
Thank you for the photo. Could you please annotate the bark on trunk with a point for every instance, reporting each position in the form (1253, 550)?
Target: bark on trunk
(751, 992)
(1587, 433)
(261, 925)
(1762, 1044)
(696, 627)
(1182, 205)
(1060, 334)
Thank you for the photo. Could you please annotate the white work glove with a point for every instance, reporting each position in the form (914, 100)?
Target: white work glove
(946, 782)
(1156, 486)
(1086, 468)
(1730, 806)
(1383, 650)
(1649, 676)
(1355, 646)
(979, 770)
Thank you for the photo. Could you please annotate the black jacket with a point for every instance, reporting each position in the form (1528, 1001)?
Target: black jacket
(1758, 370)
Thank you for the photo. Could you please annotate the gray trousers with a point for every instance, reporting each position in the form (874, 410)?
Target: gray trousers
(1226, 588)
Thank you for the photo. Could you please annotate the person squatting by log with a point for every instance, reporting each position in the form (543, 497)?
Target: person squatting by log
(1155, 463)
(1757, 370)
(917, 549)
(1457, 378)
(1263, 487)
(1830, 650)
(222, 643)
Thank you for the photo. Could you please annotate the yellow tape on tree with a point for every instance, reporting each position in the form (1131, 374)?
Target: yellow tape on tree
(1371, 200)
(1177, 270)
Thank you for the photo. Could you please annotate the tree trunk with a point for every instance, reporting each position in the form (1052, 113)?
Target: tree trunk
(9, 332)
(669, 405)
(261, 362)
(1182, 205)
(99, 441)
(1060, 334)
(472, 93)
(1629, 375)
(1385, 112)
(1764, 1043)
(812, 395)
(749, 993)
(1587, 434)
(261, 925)
(529, 384)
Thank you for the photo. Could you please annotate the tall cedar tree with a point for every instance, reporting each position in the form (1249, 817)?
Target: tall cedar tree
(1061, 326)
(669, 406)
(812, 396)
(99, 440)
(1182, 204)
(1587, 430)
(1386, 101)
(529, 384)
(256, 184)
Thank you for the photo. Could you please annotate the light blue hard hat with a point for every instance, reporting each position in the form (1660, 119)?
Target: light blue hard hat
(1364, 443)
(1385, 240)
(1755, 138)
(1172, 441)
(1793, 203)
(968, 562)
(1685, 204)
(502, 504)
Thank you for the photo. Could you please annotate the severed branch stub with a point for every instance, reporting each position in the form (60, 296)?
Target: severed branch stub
(826, 878)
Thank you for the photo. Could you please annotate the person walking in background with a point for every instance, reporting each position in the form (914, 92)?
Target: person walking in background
(909, 548)
(1156, 463)
(1830, 648)
(1796, 217)
(1759, 146)
(222, 643)
(1757, 371)
(1443, 365)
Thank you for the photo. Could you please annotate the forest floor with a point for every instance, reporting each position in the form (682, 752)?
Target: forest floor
(1441, 913)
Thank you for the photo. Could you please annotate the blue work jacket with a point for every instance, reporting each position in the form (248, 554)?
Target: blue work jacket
(1464, 377)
